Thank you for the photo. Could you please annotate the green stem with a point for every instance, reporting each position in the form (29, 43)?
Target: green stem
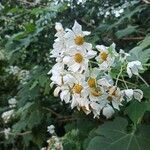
(143, 80)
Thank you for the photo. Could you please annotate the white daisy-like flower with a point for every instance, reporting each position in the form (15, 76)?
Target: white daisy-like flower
(105, 58)
(97, 93)
(59, 45)
(73, 89)
(57, 72)
(77, 60)
(94, 79)
(108, 111)
(76, 37)
(79, 94)
(133, 67)
(115, 97)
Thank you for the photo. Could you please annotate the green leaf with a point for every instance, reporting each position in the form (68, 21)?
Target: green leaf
(71, 140)
(136, 110)
(34, 118)
(142, 51)
(113, 136)
(42, 80)
(146, 92)
(34, 85)
(30, 27)
(127, 31)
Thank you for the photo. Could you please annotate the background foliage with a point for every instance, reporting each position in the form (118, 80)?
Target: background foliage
(26, 38)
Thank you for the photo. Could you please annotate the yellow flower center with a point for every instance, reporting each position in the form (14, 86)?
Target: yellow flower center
(96, 92)
(78, 58)
(79, 40)
(91, 82)
(77, 88)
(103, 56)
(112, 91)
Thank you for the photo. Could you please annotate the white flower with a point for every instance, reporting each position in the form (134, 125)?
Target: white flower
(6, 133)
(108, 111)
(96, 109)
(105, 57)
(133, 67)
(51, 129)
(115, 96)
(77, 60)
(54, 143)
(138, 94)
(130, 93)
(59, 45)
(123, 55)
(6, 116)
(75, 38)
(13, 70)
(57, 72)
(12, 102)
(79, 94)
(23, 76)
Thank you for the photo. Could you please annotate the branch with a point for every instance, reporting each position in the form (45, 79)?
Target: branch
(88, 24)
(133, 38)
(17, 134)
(146, 1)
(53, 112)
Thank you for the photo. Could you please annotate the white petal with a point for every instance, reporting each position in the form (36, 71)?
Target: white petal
(129, 94)
(56, 91)
(75, 67)
(58, 26)
(91, 54)
(108, 111)
(103, 82)
(66, 59)
(129, 72)
(86, 33)
(101, 48)
(74, 102)
(77, 28)
(138, 94)
(115, 105)
(88, 46)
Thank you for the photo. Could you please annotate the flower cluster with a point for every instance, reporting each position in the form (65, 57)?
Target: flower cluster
(83, 76)
(22, 75)
(9, 114)
(54, 142)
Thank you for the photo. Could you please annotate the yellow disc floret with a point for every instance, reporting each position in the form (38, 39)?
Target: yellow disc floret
(78, 58)
(79, 40)
(103, 56)
(91, 82)
(95, 92)
(112, 91)
(77, 88)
